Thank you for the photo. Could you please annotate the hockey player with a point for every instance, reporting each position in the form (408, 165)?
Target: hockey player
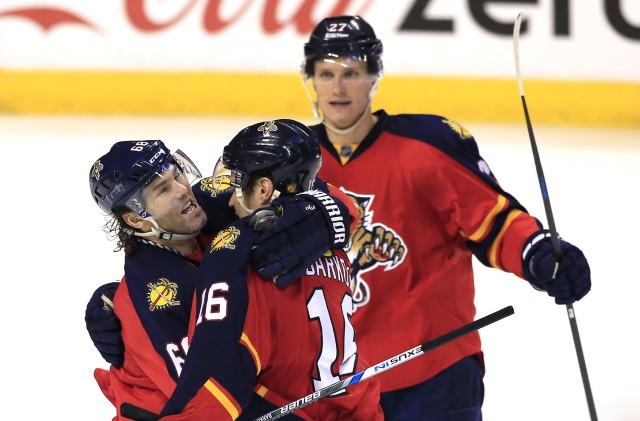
(159, 222)
(429, 202)
(249, 334)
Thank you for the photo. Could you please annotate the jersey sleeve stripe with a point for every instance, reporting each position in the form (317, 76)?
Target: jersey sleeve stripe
(230, 404)
(493, 250)
(244, 339)
(488, 220)
(261, 390)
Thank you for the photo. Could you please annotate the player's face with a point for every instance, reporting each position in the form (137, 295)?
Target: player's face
(342, 89)
(170, 200)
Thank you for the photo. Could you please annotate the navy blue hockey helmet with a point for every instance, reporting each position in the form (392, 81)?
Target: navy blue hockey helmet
(118, 177)
(342, 36)
(287, 149)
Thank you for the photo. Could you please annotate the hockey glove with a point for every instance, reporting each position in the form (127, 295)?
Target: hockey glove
(296, 231)
(571, 282)
(103, 325)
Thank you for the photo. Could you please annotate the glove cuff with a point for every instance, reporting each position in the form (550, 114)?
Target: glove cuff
(530, 259)
(336, 214)
(533, 242)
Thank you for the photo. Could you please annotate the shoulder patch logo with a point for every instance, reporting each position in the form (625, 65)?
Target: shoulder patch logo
(225, 239)
(462, 132)
(214, 185)
(162, 294)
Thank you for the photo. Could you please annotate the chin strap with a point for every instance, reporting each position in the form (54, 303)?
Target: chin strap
(162, 234)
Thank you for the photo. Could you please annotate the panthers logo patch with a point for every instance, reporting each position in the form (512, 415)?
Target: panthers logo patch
(215, 185)
(162, 294)
(225, 239)
(372, 245)
(291, 188)
(462, 132)
(95, 171)
(268, 126)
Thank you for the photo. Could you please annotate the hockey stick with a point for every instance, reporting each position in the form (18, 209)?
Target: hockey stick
(555, 240)
(140, 414)
(388, 364)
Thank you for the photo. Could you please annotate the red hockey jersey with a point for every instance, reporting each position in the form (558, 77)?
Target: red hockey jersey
(154, 304)
(288, 342)
(428, 202)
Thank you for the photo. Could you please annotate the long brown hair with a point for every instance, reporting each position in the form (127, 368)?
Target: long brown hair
(117, 229)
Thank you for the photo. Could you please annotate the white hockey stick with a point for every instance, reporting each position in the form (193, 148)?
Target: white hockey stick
(555, 241)
(388, 364)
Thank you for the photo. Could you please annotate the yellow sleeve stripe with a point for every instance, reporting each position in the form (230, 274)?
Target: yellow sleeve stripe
(244, 339)
(484, 227)
(222, 398)
(261, 390)
(493, 250)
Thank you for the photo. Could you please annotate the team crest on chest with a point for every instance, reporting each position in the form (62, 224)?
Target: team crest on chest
(162, 294)
(225, 239)
(372, 245)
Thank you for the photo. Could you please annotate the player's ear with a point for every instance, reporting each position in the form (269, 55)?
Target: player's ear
(265, 188)
(136, 221)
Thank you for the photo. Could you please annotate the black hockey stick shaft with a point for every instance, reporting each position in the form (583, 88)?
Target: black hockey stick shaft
(555, 240)
(388, 364)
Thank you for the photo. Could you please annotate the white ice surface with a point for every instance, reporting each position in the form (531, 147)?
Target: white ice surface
(56, 254)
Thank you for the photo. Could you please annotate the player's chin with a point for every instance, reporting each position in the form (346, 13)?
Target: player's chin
(341, 119)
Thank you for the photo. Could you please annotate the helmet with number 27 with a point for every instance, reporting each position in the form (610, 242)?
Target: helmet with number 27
(343, 36)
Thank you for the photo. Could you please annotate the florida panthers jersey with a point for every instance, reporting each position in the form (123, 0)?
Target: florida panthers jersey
(153, 303)
(284, 343)
(428, 202)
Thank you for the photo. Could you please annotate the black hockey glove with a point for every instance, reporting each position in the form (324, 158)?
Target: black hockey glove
(571, 282)
(296, 231)
(103, 325)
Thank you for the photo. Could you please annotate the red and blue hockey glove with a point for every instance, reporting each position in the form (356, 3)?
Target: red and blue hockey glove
(572, 280)
(103, 326)
(296, 231)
